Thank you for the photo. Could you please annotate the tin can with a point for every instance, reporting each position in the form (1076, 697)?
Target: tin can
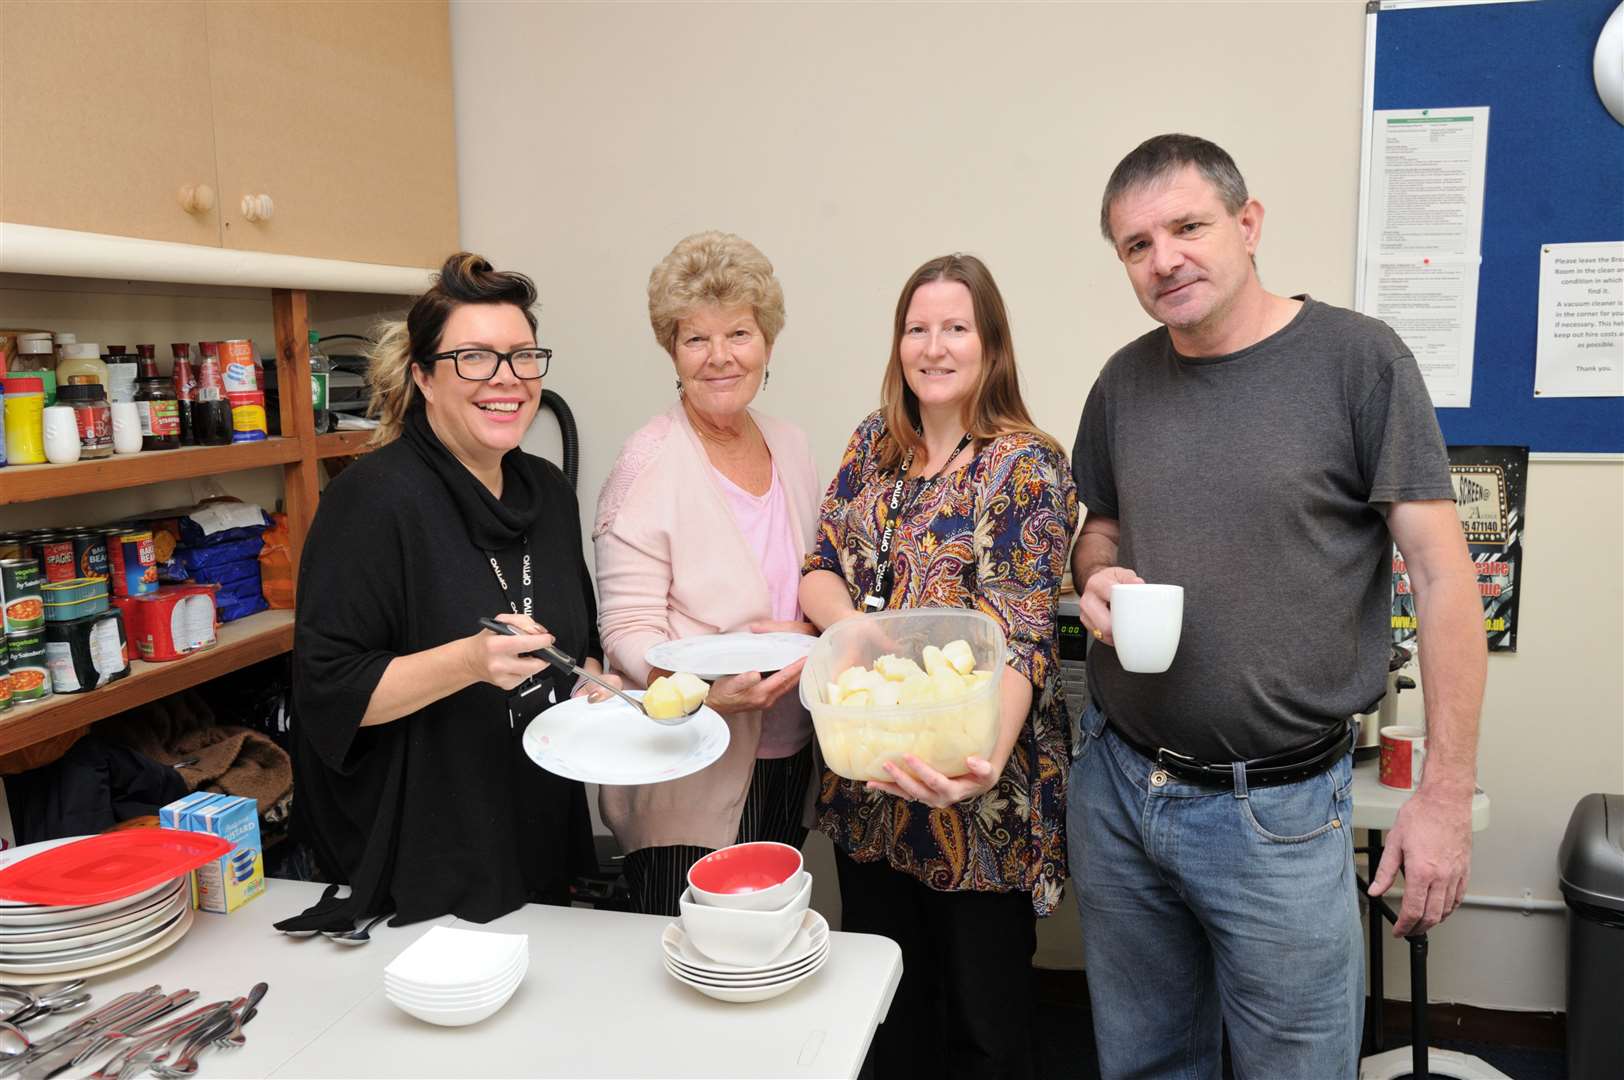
(247, 416)
(89, 553)
(5, 677)
(56, 559)
(20, 582)
(12, 546)
(30, 677)
(133, 562)
(239, 367)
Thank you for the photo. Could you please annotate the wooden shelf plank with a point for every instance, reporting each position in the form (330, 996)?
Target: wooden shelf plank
(246, 641)
(342, 444)
(31, 483)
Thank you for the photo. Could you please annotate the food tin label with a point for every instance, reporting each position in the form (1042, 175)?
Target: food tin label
(59, 661)
(90, 555)
(56, 558)
(239, 373)
(20, 582)
(159, 419)
(139, 560)
(30, 678)
(247, 417)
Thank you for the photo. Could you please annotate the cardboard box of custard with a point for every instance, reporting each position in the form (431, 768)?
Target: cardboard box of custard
(237, 876)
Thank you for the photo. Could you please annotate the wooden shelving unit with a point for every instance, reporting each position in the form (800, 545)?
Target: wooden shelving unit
(246, 641)
(31, 483)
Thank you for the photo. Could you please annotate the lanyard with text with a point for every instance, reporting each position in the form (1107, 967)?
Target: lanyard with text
(884, 575)
(525, 579)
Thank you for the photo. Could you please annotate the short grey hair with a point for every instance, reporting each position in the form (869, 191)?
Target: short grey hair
(1159, 157)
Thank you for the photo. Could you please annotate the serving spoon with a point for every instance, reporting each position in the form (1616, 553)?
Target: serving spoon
(560, 659)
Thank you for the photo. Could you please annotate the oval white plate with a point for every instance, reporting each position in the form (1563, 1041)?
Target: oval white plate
(713, 656)
(612, 743)
(744, 982)
(754, 993)
(93, 922)
(151, 915)
(98, 954)
(99, 966)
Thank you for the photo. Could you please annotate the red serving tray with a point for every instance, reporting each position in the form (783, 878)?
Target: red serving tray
(99, 869)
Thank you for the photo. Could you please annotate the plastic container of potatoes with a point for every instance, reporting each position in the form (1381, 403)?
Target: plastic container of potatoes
(857, 740)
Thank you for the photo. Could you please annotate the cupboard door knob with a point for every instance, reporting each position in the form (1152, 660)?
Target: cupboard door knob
(196, 198)
(257, 207)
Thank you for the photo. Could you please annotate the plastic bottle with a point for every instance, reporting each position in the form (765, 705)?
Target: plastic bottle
(122, 371)
(82, 358)
(155, 401)
(319, 369)
(25, 420)
(211, 412)
(184, 379)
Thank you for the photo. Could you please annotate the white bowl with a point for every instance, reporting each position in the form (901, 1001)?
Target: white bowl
(734, 936)
(773, 898)
(514, 971)
(455, 959)
(456, 999)
(452, 1017)
(743, 862)
(493, 996)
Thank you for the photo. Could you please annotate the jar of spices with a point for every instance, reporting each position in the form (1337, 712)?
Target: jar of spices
(25, 420)
(155, 401)
(95, 417)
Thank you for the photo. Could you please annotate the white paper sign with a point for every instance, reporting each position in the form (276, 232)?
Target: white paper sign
(1580, 350)
(1424, 231)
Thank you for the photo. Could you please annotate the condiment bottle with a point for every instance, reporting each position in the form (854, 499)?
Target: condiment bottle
(156, 404)
(122, 371)
(184, 380)
(25, 420)
(82, 358)
(94, 415)
(211, 412)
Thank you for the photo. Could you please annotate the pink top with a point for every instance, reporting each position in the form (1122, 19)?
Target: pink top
(765, 523)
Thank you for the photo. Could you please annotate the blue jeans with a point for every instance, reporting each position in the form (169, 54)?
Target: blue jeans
(1205, 906)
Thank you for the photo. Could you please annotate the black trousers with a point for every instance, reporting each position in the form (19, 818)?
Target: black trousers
(964, 1006)
(657, 876)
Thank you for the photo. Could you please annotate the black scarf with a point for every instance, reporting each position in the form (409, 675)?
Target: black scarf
(493, 524)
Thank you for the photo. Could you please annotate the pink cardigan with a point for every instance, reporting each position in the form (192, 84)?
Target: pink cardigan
(671, 564)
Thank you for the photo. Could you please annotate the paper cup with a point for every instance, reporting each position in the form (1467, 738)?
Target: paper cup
(126, 428)
(1403, 753)
(1145, 624)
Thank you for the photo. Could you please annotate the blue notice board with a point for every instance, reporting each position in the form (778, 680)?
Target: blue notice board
(1555, 175)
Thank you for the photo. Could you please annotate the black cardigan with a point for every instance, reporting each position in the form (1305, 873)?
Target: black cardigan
(440, 811)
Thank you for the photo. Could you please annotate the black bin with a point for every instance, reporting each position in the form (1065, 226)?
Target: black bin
(1591, 867)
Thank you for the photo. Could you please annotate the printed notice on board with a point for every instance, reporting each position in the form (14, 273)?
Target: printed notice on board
(1424, 231)
(1580, 350)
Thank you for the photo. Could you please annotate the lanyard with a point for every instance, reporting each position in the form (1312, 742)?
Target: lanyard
(895, 510)
(525, 579)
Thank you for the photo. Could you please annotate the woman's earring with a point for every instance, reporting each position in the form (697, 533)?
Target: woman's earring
(679, 387)
(766, 377)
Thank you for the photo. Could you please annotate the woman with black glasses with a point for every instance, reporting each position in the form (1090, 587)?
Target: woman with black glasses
(413, 788)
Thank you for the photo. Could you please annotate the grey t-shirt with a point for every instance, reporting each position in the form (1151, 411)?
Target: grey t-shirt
(1250, 480)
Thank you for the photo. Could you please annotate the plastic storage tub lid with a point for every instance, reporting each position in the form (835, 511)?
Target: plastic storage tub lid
(1590, 863)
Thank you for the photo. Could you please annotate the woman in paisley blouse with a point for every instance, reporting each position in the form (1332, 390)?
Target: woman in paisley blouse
(955, 869)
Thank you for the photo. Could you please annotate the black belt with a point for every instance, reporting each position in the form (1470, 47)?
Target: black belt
(1287, 767)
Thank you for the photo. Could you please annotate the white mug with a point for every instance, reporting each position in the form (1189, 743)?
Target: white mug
(1145, 625)
(126, 428)
(61, 435)
(1403, 756)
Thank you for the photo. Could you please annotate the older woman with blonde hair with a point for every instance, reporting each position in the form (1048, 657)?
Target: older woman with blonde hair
(701, 528)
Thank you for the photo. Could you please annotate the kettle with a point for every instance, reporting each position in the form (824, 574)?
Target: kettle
(1385, 712)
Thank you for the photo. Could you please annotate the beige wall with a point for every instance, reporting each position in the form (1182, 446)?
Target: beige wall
(852, 142)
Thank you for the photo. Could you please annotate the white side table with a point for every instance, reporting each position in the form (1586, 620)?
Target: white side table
(1375, 808)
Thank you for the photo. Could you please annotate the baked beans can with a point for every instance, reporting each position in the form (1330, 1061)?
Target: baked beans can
(89, 554)
(20, 582)
(30, 677)
(132, 561)
(56, 559)
(239, 367)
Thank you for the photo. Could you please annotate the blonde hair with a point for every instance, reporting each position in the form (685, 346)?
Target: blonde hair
(713, 268)
(465, 278)
(996, 408)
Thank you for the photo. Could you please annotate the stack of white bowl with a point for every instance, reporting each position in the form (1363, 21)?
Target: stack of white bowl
(747, 932)
(455, 977)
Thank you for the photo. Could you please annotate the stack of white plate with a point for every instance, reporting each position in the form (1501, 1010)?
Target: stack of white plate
(807, 951)
(40, 943)
(455, 977)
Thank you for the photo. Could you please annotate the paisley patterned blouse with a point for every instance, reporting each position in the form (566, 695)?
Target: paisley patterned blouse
(994, 536)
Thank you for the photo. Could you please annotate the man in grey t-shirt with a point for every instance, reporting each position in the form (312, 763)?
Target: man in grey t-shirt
(1263, 452)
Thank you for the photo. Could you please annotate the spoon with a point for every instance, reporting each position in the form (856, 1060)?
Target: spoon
(559, 659)
(48, 1005)
(343, 937)
(13, 1042)
(250, 1006)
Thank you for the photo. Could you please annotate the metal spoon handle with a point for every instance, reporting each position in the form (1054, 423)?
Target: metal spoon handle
(560, 659)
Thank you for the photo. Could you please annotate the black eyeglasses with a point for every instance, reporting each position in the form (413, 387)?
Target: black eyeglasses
(480, 365)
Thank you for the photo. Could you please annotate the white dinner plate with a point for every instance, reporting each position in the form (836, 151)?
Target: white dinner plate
(801, 967)
(99, 954)
(123, 925)
(101, 965)
(745, 994)
(811, 936)
(36, 917)
(611, 743)
(95, 921)
(712, 656)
